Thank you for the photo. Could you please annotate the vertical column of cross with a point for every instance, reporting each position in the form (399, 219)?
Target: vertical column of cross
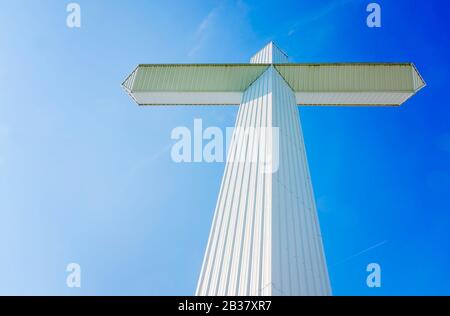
(236, 260)
(299, 266)
(265, 238)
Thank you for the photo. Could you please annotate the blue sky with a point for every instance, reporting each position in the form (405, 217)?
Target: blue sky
(86, 175)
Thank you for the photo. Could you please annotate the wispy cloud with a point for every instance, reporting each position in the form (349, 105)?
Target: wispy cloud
(203, 29)
(207, 21)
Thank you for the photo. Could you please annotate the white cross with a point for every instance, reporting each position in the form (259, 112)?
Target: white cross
(265, 237)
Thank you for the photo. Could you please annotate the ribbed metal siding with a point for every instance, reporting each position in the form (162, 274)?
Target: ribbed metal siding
(237, 261)
(128, 83)
(197, 78)
(265, 238)
(317, 84)
(349, 77)
(278, 56)
(299, 265)
(270, 54)
(264, 56)
(418, 81)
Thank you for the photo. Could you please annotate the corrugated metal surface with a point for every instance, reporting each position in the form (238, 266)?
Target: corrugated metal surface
(265, 238)
(197, 78)
(264, 56)
(299, 265)
(418, 81)
(232, 263)
(348, 77)
(314, 84)
(128, 83)
(352, 84)
(269, 54)
(278, 56)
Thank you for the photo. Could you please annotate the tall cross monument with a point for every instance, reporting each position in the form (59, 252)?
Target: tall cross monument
(265, 237)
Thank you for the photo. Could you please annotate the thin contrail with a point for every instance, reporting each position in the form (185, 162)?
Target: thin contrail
(145, 161)
(361, 252)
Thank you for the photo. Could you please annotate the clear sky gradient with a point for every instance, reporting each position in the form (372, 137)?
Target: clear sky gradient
(86, 175)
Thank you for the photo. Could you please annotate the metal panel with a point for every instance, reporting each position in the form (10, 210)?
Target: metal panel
(418, 81)
(352, 84)
(314, 84)
(232, 263)
(264, 56)
(352, 98)
(265, 238)
(128, 83)
(299, 265)
(188, 98)
(269, 54)
(278, 56)
(195, 77)
(168, 84)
